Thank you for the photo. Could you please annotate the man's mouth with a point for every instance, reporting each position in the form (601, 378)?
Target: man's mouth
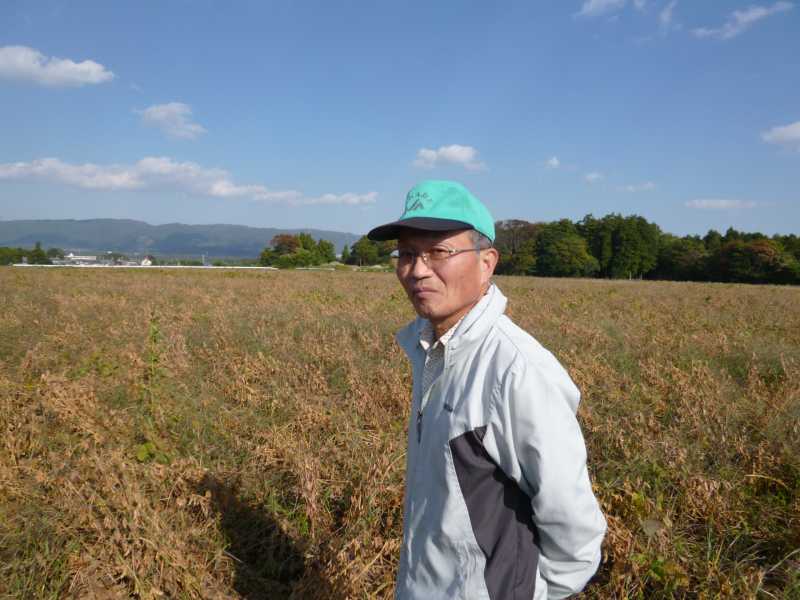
(421, 292)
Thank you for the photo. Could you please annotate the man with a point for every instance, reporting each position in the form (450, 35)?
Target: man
(498, 503)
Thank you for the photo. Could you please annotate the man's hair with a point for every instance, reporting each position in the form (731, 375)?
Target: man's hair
(481, 241)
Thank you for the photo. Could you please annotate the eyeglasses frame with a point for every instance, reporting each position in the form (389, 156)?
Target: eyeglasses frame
(426, 257)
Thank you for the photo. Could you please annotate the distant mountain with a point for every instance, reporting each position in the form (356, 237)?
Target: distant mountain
(128, 236)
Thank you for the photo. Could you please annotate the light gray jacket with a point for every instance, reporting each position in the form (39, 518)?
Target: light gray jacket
(498, 503)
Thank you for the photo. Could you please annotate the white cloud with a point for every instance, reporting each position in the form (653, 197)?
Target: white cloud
(164, 173)
(348, 199)
(740, 21)
(784, 134)
(28, 64)
(665, 15)
(593, 177)
(88, 176)
(597, 8)
(173, 118)
(552, 163)
(720, 204)
(647, 186)
(639, 4)
(465, 156)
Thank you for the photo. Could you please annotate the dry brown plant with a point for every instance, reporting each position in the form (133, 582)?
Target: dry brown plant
(220, 434)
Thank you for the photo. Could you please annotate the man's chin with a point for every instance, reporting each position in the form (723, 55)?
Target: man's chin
(425, 310)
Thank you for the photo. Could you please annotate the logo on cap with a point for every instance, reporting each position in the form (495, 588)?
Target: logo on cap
(414, 201)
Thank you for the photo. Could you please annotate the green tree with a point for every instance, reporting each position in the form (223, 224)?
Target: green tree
(305, 258)
(521, 262)
(37, 256)
(760, 260)
(290, 251)
(561, 252)
(365, 252)
(267, 257)
(345, 258)
(681, 259)
(10, 256)
(516, 242)
(285, 261)
(712, 241)
(385, 250)
(623, 246)
(326, 251)
(306, 242)
(635, 247)
(598, 234)
(790, 243)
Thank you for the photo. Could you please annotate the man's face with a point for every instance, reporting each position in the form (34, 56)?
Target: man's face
(443, 291)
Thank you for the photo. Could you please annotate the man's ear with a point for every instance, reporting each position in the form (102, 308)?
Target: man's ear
(489, 258)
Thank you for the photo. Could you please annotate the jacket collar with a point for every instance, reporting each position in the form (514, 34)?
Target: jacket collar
(472, 328)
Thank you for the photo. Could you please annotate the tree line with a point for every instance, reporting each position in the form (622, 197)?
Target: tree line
(611, 247)
(35, 256)
(290, 251)
(616, 247)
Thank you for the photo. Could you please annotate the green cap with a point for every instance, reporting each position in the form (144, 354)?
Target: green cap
(439, 206)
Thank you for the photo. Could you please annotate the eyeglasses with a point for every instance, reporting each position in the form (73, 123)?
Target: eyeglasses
(437, 254)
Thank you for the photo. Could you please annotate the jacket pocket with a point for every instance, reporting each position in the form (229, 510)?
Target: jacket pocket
(471, 566)
(442, 569)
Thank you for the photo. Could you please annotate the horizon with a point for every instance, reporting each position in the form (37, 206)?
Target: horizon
(181, 223)
(354, 233)
(314, 116)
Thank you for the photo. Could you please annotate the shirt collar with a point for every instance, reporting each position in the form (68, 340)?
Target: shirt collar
(426, 335)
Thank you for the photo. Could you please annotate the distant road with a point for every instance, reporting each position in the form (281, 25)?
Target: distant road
(144, 267)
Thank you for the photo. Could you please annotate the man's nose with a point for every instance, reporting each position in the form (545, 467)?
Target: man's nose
(419, 268)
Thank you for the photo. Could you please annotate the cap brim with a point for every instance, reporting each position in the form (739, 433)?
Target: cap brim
(391, 231)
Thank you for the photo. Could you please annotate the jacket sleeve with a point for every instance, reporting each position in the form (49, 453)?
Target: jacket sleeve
(541, 444)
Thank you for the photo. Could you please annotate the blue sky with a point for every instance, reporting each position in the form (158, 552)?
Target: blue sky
(323, 114)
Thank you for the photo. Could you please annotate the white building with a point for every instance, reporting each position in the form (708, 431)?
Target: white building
(74, 259)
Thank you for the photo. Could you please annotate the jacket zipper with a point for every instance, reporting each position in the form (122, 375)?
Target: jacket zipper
(422, 402)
